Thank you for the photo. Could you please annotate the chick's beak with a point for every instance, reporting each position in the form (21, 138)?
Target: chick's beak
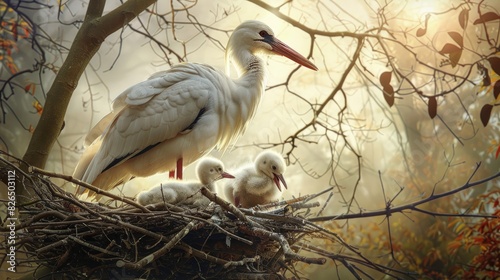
(277, 179)
(226, 175)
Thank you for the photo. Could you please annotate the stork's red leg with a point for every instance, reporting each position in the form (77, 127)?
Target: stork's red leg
(171, 174)
(179, 169)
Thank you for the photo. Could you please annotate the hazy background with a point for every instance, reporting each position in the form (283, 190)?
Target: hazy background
(366, 138)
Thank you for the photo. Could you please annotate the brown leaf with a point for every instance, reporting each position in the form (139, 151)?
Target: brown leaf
(449, 48)
(463, 18)
(389, 95)
(487, 17)
(421, 32)
(486, 79)
(385, 78)
(485, 114)
(388, 90)
(432, 107)
(455, 57)
(454, 53)
(496, 89)
(457, 38)
(495, 64)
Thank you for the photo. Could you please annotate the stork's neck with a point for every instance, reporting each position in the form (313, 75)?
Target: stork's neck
(243, 97)
(253, 76)
(248, 66)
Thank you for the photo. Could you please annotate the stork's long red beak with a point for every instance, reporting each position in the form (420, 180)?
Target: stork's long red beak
(284, 50)
(277, 178)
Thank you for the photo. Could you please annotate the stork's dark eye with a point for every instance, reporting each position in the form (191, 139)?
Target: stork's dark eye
(274, 167)
(263, 34)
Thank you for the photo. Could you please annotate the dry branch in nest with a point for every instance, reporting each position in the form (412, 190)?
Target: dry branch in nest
(83, 240)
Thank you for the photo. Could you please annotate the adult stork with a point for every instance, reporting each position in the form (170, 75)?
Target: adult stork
(179, 115)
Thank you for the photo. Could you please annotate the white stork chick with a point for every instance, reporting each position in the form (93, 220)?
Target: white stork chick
(179, 115)
(258, 183)
(208, 171)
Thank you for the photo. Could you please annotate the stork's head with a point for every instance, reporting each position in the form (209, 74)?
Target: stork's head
(257, 37)
(273, 166)
(210, 170)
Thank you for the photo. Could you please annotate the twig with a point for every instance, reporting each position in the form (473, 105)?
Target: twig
(93, 247)
(55, 231)
(59, 243)
(204, 217)
(229, 207)
(200, 254)
(37, 218)
(234, 236)
(113, 220)
(162, 251)
(303, 205)
(414, 206)
(52, 246)
(324, 206)
(298, 202)
(289, 254)
(274, 217)
(88, 186)
(280, 203)
(242, 262)
(313, 196)
(345, 259)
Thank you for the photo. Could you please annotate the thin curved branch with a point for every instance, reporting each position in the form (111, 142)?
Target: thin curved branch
(414, 206)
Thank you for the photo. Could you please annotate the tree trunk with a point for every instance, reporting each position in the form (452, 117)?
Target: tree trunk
(93, 32)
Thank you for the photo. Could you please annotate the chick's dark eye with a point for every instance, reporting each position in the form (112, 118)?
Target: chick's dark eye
(263, 33)
(274, 167)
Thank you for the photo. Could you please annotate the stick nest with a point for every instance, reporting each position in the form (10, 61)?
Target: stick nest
(82, 240)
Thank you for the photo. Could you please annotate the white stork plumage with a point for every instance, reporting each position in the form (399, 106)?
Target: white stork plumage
(179, 115)
(209, 170)
(257, 183)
